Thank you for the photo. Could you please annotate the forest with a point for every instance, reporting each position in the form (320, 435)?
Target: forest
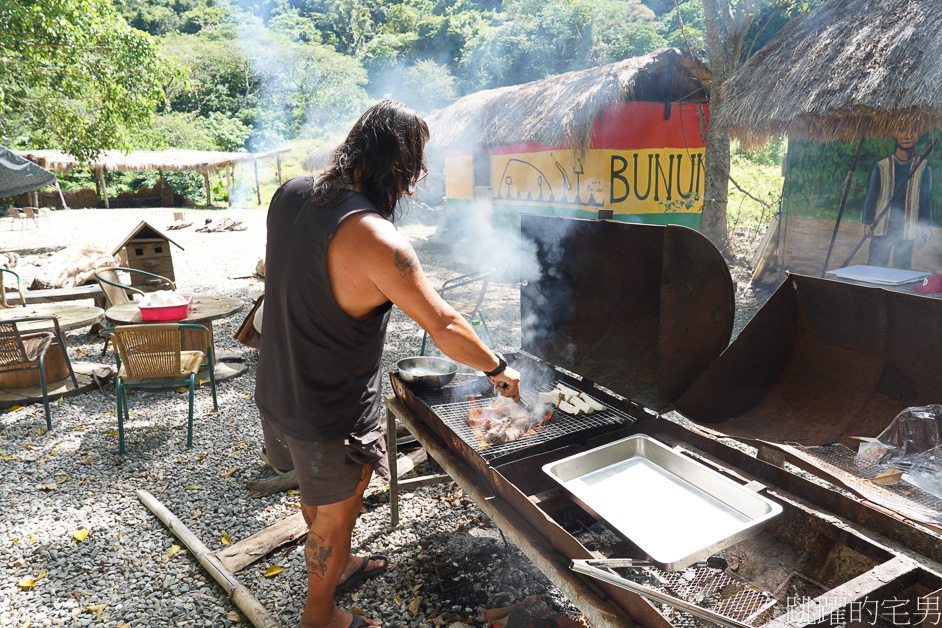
(89, 75)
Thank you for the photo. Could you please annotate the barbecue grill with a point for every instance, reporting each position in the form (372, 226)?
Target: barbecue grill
(639, 317)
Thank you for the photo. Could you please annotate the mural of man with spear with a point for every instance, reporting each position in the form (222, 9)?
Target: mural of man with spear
(900, 185)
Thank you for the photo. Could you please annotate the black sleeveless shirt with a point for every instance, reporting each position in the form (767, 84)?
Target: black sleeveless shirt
(319, 369)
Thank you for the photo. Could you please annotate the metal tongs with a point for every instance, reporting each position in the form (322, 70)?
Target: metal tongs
(522, 403)
(600, 569)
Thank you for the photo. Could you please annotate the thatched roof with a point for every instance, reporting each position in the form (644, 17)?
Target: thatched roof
(847, 69)
(563, 109)
(205, 161)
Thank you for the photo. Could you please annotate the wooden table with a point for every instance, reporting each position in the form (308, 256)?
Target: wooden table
(70, 316)
(203, 311)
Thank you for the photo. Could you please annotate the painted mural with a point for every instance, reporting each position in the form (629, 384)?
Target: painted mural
(640, 165)
(893, 209)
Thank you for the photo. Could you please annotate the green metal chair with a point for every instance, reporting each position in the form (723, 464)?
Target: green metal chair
(150, 356)
(21, 348)
(116, 292)
(19, 288)
(469, 308)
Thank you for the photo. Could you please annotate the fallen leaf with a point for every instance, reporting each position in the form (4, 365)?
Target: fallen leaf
(113, 433)
(201, 456)
(414, 606)
(236, 616)
(26, 584)
(354, 597)
(95, 607)
(8, 458)
(194, 487)
(889, 477)
(80, 535)
(32, 539)
(438, 621)
(86, 461)
(48, 487)
(15, 408)
(416, 588)
(226, 540)
(228, 472)
(293, 492)
(397, 600)
(19, 562)
(274, 570)
(240, 443)
(60, 402)
(173, 550)
(183, 389)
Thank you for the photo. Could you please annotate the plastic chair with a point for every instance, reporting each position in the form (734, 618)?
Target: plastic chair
(116, 292)
(19, 348)
(17, 217)
(150, 356)
(3, 292)
(470, 309)
(35, 213)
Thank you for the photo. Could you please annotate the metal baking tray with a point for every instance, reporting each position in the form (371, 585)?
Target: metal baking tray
(674, 509)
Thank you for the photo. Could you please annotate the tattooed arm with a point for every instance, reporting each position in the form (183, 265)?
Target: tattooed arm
(370, 262)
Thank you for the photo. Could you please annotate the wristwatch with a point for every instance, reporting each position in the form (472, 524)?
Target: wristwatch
(500, 368)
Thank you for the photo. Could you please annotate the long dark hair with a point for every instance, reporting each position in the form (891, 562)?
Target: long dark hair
(383, 155)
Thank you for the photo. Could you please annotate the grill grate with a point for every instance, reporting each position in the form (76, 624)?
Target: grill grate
(859, 473)
(722, 592)
(453, 412)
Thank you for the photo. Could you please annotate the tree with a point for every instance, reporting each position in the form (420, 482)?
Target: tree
(75, 75)
(727, 24)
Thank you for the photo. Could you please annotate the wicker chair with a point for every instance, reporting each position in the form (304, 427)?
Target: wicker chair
(149, 356)
(21, 349)
(470, 308)
(3, 292)
(116, 292)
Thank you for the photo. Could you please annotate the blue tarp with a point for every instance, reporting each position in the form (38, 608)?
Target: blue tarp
(19, 175)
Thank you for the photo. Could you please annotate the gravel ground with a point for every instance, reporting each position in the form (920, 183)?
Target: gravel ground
(447, 562)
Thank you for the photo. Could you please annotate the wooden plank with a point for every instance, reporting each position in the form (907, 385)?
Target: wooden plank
(54, 295)
(242, 554)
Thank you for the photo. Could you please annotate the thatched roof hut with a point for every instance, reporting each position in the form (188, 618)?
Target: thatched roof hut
(205, 161)
(847, 69)
(563, 109)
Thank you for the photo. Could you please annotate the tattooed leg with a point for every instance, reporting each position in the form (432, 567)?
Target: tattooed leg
(326, 554)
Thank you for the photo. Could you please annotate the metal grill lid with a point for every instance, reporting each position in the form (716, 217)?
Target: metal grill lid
(640, 309)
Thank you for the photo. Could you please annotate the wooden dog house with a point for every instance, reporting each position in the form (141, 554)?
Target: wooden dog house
(147, 249)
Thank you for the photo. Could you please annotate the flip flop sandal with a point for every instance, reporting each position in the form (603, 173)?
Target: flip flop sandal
(361, 574)
(358, 622)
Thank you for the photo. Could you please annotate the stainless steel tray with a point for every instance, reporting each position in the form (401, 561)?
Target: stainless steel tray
(675, 509)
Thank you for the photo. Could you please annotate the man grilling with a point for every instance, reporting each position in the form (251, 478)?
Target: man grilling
(911, 211)
(335, 265)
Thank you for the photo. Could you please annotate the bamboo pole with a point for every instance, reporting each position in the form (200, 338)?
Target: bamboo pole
(229, 185)
(209, 192)
(104, 188)
(238, 593)
(258, 190)
(61, 195)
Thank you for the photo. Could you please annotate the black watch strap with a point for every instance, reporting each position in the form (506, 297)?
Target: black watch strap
(500, 368)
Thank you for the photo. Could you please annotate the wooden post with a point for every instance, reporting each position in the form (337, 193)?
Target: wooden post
(240, 595)
(278, 159)
(104, 187)
(229, 184)
(209, 192)
(97, 181)
(258, 190)
(61, 195)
